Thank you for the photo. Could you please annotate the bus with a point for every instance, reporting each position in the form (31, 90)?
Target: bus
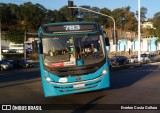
(73, 58)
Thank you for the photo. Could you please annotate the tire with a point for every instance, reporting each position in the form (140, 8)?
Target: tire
(24, 66)
(1, 69)
(117, 64)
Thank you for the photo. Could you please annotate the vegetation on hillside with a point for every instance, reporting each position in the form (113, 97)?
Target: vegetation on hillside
(15, 19)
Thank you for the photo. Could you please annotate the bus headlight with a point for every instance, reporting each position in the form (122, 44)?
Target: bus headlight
(104, 72)
(48, 79)
(63, 80)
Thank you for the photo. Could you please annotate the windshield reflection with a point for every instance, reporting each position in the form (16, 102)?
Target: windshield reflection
(77, 50)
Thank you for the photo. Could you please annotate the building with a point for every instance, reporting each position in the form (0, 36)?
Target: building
(148, 45)
(147, 25)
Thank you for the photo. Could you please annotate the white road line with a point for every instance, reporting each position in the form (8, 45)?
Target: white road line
(144, 70)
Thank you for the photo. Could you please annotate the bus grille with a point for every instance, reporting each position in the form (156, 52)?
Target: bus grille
(70, 88)
(63, 73)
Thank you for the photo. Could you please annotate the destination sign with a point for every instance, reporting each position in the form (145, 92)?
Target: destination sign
(69, 28)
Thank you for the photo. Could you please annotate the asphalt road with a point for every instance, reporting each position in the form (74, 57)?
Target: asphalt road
(138, 85)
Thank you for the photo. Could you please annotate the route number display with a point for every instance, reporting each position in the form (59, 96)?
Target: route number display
(72, 27)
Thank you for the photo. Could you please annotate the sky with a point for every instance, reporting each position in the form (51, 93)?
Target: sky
(153, 6)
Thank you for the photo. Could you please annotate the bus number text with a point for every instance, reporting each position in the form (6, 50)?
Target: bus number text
(72, 27)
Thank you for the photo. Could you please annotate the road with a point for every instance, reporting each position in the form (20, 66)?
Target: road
(138, 85)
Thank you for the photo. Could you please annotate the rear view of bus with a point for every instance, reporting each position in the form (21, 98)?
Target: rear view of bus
(73, 58)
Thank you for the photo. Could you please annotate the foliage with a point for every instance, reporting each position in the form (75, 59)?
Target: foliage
(29, 16)
(85, 15)
(32, 15)
(16, 36)
(131, 22)
(156, 21)
(118, 15)
(143, 13)
(125, 19)
(105, 20)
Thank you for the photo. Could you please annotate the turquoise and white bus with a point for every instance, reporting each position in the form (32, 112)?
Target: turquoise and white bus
(73, 58)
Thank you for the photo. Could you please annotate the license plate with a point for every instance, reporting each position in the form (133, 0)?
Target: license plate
(79, 85)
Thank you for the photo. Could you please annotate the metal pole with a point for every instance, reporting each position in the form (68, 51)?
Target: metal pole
(114, 32)
(0, 36)
(25, 45)
(139, 33)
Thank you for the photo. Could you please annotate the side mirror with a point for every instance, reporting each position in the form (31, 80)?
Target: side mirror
(107, 41)
(40, 48)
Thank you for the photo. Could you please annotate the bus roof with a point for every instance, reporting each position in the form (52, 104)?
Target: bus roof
(77, 22)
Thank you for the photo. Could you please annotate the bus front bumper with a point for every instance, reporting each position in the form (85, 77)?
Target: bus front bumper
(57, 88)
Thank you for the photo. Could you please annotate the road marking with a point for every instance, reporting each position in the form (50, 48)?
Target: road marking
(143, 70)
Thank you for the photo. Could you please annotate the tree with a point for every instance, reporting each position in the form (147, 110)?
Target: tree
(29, 17)
(156, 21)
(15, 35)
(143, 14)
(64, 14)
(131, 22)
(94, 15)
(8, 16)
(49, 16)
(58, 16)
(118, 15)
(89, 16)
(33, 15)
(107, 22)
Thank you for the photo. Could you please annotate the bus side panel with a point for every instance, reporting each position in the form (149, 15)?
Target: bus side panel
(47, 87)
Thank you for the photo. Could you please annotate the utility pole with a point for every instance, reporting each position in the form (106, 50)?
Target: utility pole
(25, 38)
(0, 46)
(0, 35)
(139, 32)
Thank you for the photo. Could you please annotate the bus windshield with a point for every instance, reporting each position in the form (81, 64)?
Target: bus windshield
(63, 51)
